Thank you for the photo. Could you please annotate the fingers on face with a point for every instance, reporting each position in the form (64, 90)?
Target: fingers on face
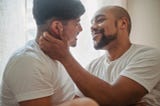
(43, 43)
(47, 42)
(51, 39)
(47, 36)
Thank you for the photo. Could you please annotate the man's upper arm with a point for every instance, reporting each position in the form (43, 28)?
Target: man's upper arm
(45, 101)
(128, 90)
(27, 79)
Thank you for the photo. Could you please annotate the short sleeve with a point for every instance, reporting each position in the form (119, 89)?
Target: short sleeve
(144, 69)
(28, 78)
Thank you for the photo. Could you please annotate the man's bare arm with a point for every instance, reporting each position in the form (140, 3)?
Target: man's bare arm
(45, 101)
(122, 92)
(80, 102)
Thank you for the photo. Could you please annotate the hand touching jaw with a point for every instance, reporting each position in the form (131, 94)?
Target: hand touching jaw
(54, 48)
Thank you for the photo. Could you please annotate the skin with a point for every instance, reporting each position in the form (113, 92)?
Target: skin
(71, 30)
(47, 102)
(80, 102)
(104, 93)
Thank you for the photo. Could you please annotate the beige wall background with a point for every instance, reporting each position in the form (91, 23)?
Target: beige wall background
(145, 16)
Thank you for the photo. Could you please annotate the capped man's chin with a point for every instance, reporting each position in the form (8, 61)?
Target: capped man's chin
(73, 45)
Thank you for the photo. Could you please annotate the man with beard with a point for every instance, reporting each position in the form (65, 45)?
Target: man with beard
(126, 75)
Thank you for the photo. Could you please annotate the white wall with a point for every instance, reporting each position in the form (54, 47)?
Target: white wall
(145, 16)
(12, 29)
(122, 3)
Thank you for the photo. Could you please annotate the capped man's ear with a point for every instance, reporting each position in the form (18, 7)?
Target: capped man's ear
(56, 27)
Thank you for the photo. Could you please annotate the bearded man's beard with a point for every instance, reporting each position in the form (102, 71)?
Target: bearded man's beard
(105, 40)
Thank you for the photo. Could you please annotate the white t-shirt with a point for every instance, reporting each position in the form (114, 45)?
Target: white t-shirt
(139, 63)
(31, 74)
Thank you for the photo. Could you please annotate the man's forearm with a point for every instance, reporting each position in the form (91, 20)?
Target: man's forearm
(80, 102)
(90, 85)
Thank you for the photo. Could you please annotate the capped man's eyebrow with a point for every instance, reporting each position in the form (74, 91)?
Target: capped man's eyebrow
(96, 17)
